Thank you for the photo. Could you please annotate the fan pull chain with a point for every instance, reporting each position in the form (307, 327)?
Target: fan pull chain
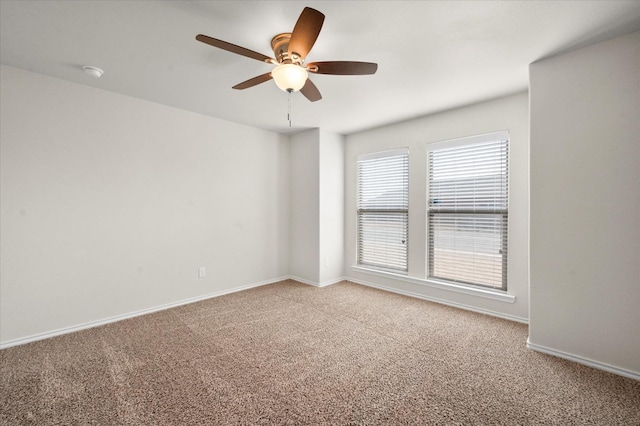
(289, 108)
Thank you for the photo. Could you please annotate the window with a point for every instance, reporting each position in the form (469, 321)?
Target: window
(383, 210)
(467, 210)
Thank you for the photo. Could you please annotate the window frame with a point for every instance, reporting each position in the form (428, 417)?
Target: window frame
(469, 214)
(391, 213)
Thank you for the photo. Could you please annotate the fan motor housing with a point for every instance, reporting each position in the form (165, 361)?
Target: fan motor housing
(280, 47)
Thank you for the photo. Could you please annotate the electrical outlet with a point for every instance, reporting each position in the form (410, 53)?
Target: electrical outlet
(202, 272)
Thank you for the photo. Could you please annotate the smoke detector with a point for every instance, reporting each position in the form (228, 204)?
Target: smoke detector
(93, 71)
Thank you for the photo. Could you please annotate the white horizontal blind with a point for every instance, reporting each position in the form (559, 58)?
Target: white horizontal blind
(468, 211)
(383, 210)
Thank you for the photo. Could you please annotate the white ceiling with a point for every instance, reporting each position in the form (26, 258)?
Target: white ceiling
(432, 55)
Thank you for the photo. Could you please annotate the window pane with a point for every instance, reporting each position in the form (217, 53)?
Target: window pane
(382, 240)
(471, 177)
(468, 248)
(383, 183)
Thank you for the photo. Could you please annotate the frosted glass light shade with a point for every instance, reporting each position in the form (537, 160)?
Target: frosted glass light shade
(289, 77)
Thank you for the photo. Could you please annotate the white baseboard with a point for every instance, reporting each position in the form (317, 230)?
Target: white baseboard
(441, 301)
(91, 324)
(316, 284)
(585, 361)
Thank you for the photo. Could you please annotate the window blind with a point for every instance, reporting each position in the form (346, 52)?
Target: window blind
(383, 210)
(468, 211)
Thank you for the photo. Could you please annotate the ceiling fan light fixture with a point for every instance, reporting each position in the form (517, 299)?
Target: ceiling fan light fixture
(289, 77)
(291, 74)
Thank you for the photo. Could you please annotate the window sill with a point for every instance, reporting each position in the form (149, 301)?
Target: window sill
(457, 288)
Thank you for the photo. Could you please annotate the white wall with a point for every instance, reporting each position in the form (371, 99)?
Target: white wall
(331, 207)
(508, 113)
(317, 207)
(305, 206)
(585, 204)
(109, 205)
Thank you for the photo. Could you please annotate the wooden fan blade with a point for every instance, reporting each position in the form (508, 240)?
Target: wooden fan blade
(305, 32)
(233, 48)
(253, 81)
(343, 68)
(310, 91)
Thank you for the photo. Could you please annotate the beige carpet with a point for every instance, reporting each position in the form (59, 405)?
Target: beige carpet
(289, 353)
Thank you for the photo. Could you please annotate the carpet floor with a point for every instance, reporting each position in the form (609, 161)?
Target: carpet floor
(288, 353)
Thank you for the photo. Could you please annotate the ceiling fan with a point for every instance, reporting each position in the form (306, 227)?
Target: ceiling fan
(290, 50)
